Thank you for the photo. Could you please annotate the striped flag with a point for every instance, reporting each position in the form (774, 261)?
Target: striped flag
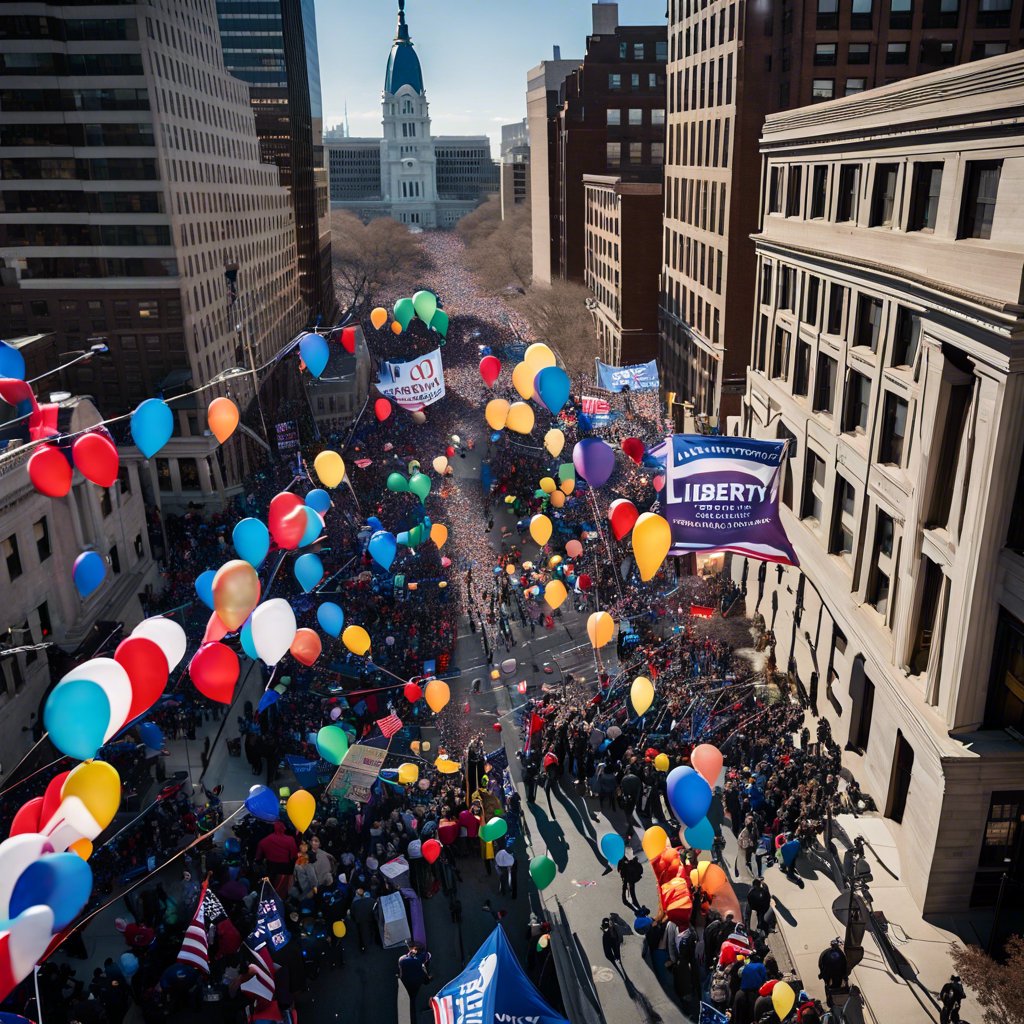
(261, 986)
(390, 724)
(595, 406)
(195, 950)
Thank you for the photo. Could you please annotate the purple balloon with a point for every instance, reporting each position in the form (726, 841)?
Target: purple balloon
(594, 461)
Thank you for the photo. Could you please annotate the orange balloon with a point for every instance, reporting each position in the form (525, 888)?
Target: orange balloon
(710, 877)
(396, 327)
(236, 591)
(306, 646)
(437, 694)
(379, 317)
(222, 418)
(83, 847)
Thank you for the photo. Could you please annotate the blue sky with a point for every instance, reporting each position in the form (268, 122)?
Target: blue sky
(474, 53)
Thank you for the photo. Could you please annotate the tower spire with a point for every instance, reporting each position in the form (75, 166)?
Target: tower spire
(402, 31)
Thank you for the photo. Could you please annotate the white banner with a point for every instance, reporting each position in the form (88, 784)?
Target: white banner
(413, 385)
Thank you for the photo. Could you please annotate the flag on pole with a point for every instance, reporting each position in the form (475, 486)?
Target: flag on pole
(195, 949)
(261, 985)
(270, 925)
(390, 725)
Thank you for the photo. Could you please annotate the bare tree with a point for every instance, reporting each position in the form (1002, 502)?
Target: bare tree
(996, 986)
(499, 251)
(367, 258)
(558, 314)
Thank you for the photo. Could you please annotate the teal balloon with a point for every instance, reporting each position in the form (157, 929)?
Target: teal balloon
(319, 500)
(403, 539)
(152, 425)
(204, 587)
(76, 716)
(315, 353)
(404, 312)
(613, 847)
(60, 881)
(425, 304)
(251, 539)
(383, 547)
(248, 644)
(309, 571)
(493, 830)
(700, 836)
(397, 483)
(314, 527)
(552, 384)
(331, 618)
(419, 484)
(440, 323)
(332, 744)
(88, 572)
(543, 871)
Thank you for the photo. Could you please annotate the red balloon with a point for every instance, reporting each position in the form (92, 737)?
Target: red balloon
(146, 665)
(496, 726)
(50, 472)
(214, 671)
(52, 798)
(29, 818)
(431, 850)
(449, 451)
(215, 630)
(659, 482)
(634, 448)
(382, 409)
(348, 339)
(584, 581)
(285, 526)
(306, 646)
(622, 514)
(96, 458)
(412, 692)
(490, 367)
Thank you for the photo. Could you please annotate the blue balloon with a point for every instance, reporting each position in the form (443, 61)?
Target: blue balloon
(552, 385)
(331, 618)
(204, 587)
(688, 794)
(314, 527)
(384, 546)
(129, 964)
(152, 426)
(252, 541)
(309, 571)
(89, 572)
(12, 362)
(700, 836)
(496, 436)
(319, 500)
(151, 734)
(315, 353)
(263, 804)
(76, 716)
(613, 847)
(641, 924)
(248, 644)
(374, 523)
(61, 881)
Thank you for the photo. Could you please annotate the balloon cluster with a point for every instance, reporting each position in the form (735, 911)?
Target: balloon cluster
(423, 306)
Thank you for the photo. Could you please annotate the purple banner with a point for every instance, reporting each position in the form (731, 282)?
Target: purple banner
(722, 494)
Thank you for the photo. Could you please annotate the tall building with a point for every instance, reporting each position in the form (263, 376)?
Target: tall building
(730, 65)
(610, 120)
(131, 186)
(889, 350)
(272, 47)
(422, 180)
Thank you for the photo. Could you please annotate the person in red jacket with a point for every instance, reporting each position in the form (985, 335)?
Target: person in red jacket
(279, 851)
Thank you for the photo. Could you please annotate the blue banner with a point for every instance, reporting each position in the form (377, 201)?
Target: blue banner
(642, 377)
(270, 926)
(589, 422)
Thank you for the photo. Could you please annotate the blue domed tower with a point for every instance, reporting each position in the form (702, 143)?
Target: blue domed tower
(408, 163)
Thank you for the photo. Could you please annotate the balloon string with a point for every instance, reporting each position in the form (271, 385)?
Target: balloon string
(21, 782)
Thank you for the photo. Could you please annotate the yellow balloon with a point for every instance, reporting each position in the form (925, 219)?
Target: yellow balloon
(98, 786)
(496, 413)
(236, 591)
(408, 774)
(547, 485)
(783, 998)
(654, 841)
(379, 317)
(301, 807)
(437, 694)
(511, 568)
(652, 538)
(522, 380)
(557, 499)
(661, 762)
(440, 464)
(356, 639)
(439, 534)
(222, 418)
(600, 629)
(641, 694)
(330, 467)
(446, 766)
(537, 356)
(83, 847)
(495, 674)
(554, 561)
(554, 442)
(338, 927)
(568, 486)
(520, 418)
(555, 593)
(540, 529)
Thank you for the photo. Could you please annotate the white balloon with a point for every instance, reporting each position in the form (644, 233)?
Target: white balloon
(16, 854)
(415, 849)
(167, 635)
(29, 938)
(273, 629)
(111, 677)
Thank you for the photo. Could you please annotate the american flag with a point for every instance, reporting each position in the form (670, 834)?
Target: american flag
(709, 1015)
(195, 950)
(390, 724)
(595, 406)
(261, 986)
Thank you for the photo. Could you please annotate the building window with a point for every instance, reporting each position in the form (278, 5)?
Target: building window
(836, 302)
(878, 590)
(661, 50)
(819, 191)
(802, 368)
(825, 384)
(941, 13)
(623, 50)
(979, 202)
(859, 53)
(849, 192)
(787, 288)
(825, 54)
(657, 153)
(1002, 852)
(636, 116)
(811, 293)
(899, 781)
(883, 197)
(828, 13)
(906, 337)
(41, 532)
(796, 177)
(841, 537)
(140, 549)
(638, 51)
(982, 50)
(615, 82)
(814, 487)
(163, 475)
(897, 53)
(869, 322)
(45, 625)
(822, 89)
(106, 503)
(614, 116)
(634, 82)
(924, 200)
(862, 692)
(901, 13)
(858, 404)
(1005, 707)
(855, 85)
(780, 354)
(894, 430)
(860, 14)
(124, 477)
(613, 151)
(994, 13)
(9, 549)
(775, 190)
(658, 115)
(636, 152)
